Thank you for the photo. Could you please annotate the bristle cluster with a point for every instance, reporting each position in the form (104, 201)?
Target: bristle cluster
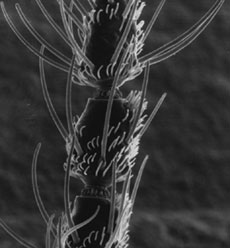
(106, 24)
(112, 31)
(89, 166)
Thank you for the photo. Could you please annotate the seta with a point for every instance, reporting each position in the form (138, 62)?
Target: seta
(102, 144)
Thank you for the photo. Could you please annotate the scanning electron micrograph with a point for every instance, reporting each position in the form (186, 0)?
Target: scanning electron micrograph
(115, 120)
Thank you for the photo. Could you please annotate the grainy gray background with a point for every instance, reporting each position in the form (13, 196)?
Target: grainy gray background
(184, 199)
